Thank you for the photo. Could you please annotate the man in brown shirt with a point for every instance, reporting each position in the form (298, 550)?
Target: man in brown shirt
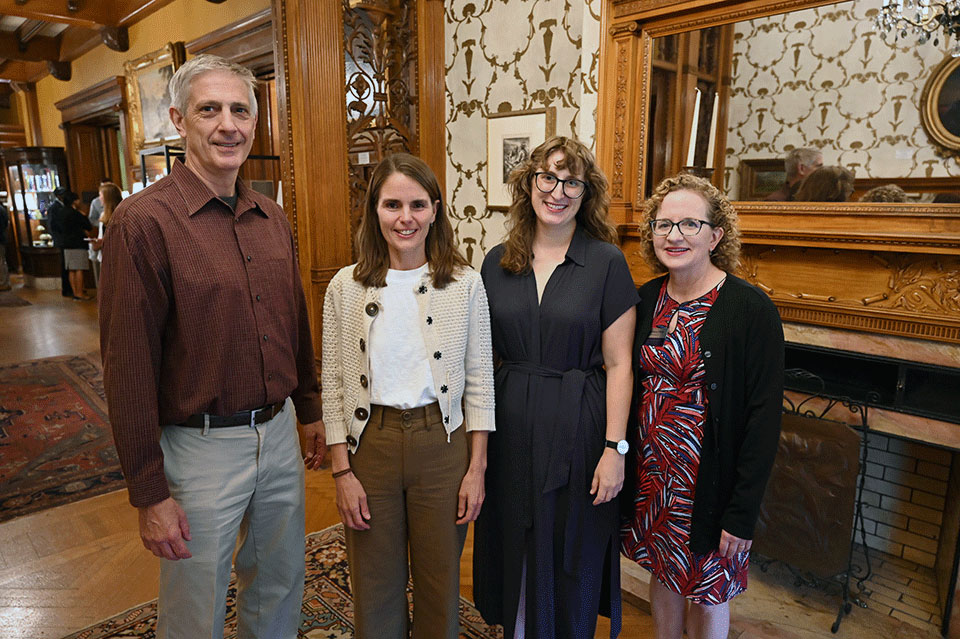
(207, 349)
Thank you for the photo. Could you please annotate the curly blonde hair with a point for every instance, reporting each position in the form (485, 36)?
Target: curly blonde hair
(522, 220)
(726, 256)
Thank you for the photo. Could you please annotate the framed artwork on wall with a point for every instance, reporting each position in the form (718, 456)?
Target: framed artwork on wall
(148, 96)
(760, 177)
(511, 137)
(940, 107)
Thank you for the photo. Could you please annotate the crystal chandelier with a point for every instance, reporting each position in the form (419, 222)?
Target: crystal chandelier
(923, 19)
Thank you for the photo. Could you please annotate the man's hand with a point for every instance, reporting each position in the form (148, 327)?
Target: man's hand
(164, 528)
(314, 444)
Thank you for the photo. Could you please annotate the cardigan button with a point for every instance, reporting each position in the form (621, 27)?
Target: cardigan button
(707, 354)
(372, 309)
(363, 381)
(713, 386)
(361, 413)
(351, 440)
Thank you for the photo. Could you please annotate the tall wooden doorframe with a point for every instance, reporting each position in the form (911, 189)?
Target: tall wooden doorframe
(315, 146)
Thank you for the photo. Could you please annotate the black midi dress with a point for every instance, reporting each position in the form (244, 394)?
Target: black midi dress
(551, 427)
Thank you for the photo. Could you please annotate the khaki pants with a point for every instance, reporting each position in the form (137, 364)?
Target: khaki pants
(236, 481)
(412, 476)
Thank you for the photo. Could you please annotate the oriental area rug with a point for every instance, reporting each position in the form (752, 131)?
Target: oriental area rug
(327, 610)
(55, 442)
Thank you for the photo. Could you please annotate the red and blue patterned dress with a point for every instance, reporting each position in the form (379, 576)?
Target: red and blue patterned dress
(671, 418)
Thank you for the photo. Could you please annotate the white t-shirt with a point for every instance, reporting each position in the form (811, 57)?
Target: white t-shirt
(399, 370)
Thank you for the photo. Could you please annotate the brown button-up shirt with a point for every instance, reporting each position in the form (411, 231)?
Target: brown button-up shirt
(201, 311)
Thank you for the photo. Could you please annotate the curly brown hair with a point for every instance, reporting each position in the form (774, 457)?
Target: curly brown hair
(373, 259)
(726, 256)
(521, 218)
(885, 193)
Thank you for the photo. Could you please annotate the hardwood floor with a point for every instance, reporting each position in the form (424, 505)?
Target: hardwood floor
(68, 567)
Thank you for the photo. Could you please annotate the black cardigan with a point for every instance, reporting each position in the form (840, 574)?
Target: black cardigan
(741, 341)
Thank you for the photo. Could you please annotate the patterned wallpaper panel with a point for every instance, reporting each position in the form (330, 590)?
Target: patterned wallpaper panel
(525, 54)
(823, 78)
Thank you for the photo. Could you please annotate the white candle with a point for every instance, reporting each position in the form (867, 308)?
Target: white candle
(711, 144)
(692, 149)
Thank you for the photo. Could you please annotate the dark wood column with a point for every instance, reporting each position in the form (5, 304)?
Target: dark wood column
(310, 71)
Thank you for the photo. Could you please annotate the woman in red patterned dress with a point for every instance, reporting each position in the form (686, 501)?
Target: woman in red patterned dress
(709, 370)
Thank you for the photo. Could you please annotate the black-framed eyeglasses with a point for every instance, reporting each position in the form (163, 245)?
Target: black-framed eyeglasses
(571, 187)
(687, 226)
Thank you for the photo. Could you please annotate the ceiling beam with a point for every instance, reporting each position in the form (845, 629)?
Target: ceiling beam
(38, 49)
(22, 71)
(91, 14)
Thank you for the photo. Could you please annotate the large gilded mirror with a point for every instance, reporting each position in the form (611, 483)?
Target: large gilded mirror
(729, 88)
(818, 77)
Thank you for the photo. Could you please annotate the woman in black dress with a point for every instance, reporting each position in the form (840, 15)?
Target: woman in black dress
(562, 312)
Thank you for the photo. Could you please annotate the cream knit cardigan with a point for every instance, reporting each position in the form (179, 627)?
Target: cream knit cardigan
(455, 322)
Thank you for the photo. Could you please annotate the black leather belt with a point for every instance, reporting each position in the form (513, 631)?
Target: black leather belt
(243, 418)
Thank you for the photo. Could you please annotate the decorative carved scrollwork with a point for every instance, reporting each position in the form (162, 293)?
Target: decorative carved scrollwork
(924, 286)
(380, 45)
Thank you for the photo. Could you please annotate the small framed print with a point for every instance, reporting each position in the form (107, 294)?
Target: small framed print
(511, 137)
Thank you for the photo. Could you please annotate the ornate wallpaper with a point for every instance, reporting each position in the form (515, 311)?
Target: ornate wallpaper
(511, 55)
(823, 78)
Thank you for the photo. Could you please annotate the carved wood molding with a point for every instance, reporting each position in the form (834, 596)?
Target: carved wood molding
(248, 42)
(95, 100)
(904, 294)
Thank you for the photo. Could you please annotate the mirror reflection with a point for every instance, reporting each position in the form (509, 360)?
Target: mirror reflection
(812, 95)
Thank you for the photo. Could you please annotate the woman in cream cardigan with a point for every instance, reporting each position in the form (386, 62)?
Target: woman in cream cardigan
(407, 403)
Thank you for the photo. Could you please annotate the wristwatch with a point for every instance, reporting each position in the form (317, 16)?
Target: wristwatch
(621, 446)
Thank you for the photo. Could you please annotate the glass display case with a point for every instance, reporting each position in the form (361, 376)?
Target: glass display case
(32, 175)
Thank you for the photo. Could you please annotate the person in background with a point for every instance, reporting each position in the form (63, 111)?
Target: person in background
(407, 404)
(110, 196)
(826, 184)
(207, 351)
(4, 269)
(56, 215)
(885, 193)
(96, 210)
(708, 361)
(562, 310)
(73, 228)
(798, 164)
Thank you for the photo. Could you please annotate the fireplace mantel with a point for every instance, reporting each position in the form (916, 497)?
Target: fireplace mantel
(888, 269)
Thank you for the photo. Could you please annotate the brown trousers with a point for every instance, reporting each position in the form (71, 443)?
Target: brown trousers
(412, 476)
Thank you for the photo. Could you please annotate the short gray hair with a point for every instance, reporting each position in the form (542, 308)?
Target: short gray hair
(800, 157)
(203, 63)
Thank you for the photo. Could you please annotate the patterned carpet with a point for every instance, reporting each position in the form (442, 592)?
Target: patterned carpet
(327, 611)
(55, 441)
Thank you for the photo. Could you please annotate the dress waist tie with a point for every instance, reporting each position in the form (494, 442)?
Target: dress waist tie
(563, 464)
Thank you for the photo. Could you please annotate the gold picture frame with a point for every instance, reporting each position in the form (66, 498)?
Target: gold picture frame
(511, 137)
(148, 96)
(761, 177)
(940, 107)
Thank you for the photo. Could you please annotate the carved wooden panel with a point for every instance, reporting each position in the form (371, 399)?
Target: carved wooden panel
(380, 83)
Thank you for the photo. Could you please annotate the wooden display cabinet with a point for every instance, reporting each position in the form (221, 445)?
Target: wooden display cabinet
(32, 175)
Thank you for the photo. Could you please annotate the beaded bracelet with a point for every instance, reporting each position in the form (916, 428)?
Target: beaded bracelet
(341, 473)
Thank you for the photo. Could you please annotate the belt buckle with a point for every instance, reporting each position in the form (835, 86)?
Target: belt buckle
(253, 419)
